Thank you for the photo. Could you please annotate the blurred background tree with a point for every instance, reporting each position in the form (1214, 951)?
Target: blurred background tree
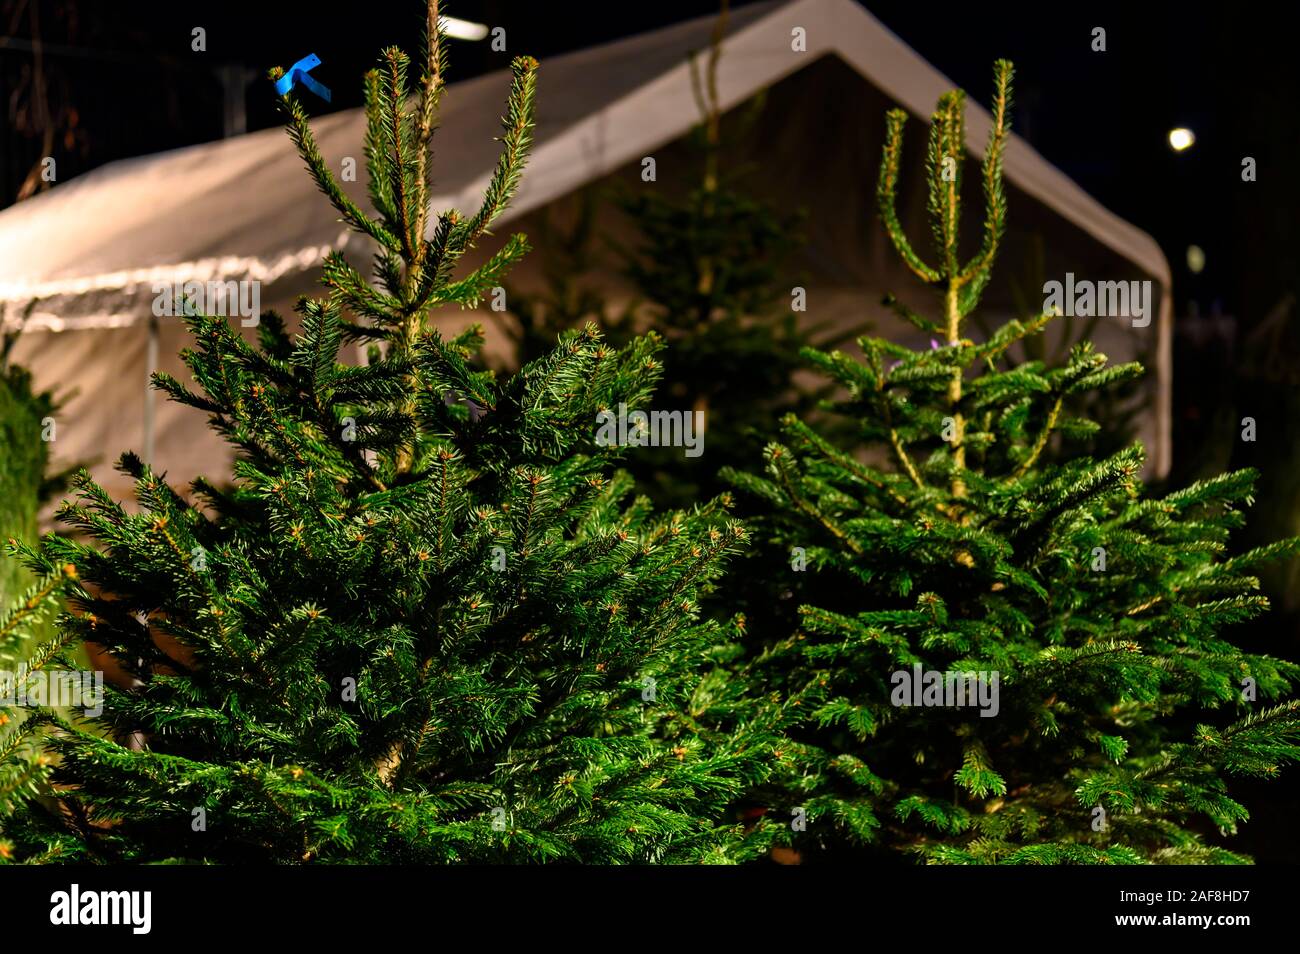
(27, 426)
(709, 268)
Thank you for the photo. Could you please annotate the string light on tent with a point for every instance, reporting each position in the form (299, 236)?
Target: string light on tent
(1181, 139)
(463, 29)
(1195, 259)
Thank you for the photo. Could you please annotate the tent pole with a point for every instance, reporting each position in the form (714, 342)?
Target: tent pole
(234, 79)
(151, 365)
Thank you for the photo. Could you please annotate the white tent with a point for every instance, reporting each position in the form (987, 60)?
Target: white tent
(90, 251)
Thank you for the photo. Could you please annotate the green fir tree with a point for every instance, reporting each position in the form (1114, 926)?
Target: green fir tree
(428, 623)
(28, 640)
(709, 269)
(24, 413)
(946, 538)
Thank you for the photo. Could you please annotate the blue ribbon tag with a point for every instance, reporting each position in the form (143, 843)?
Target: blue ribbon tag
(298, 74)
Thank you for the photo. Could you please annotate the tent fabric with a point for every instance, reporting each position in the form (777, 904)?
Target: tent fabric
(89, 252)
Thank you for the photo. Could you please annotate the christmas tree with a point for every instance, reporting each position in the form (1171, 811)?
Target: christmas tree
(712, 267)
(34, 826)
(28, 641)
(708, 268)
(1001, 656)
(426, 623)
(25, 416)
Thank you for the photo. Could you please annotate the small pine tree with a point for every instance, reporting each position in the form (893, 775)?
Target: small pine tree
(28, 642)
(711, 267)
(426, 624)
(1121, 706)
(23, 416)
(33, 827)
(709, 270)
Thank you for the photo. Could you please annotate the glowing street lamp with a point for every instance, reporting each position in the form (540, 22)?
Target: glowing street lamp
(463, 29)
(1181, 139)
